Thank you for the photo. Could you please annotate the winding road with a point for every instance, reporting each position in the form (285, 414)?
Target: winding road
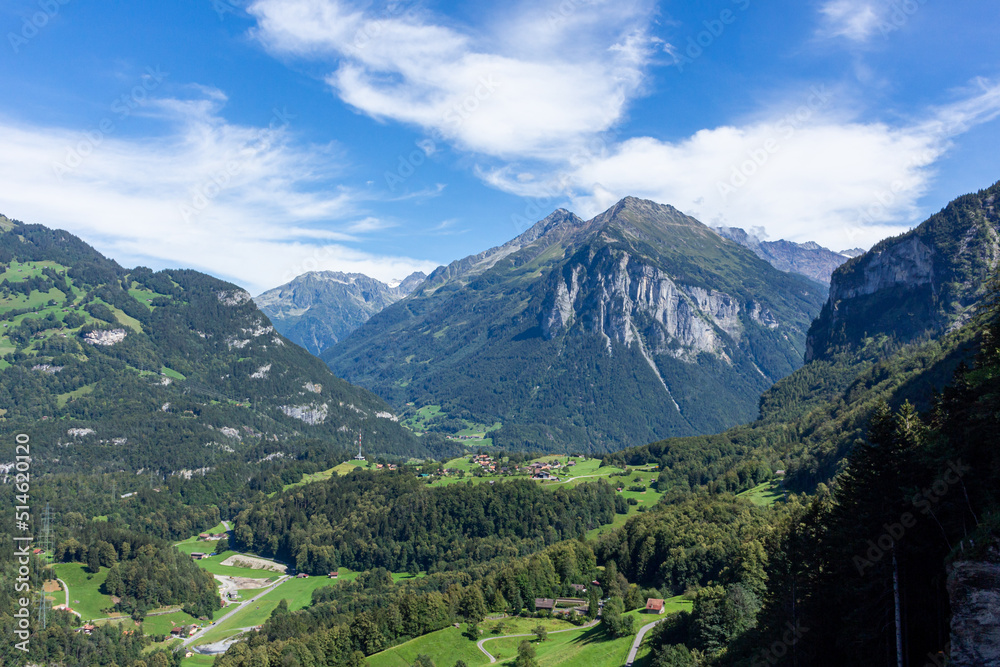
(638, 641)
(530, 634)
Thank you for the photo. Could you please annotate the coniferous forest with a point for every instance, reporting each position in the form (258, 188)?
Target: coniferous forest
(879, 452)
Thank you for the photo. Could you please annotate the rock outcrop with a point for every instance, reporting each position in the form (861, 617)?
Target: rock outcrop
(974, 592)
(638, 324)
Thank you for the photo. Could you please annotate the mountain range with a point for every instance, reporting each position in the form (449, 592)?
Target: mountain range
(320, 308)
(638, 324)
(808, 259)
(111, 368)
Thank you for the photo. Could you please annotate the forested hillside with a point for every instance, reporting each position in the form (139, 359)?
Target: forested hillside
(639, 324)
(107, 368)
(395, 521)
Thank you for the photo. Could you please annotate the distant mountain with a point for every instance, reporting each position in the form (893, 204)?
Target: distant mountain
(108, 368)
(916, 285)
(639, 324)
(319, 308)
(807, 259)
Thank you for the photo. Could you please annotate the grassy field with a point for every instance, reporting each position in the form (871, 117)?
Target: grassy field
(159, 624)
(171, 373)
(582, 646)
(63, 399)
(323, 475)
(197, 660)
(450, 644)
(764, 494)
(213, 564)
(85, 587)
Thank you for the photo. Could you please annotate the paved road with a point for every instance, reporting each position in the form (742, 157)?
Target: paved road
(638, 640)
(198, 635)
(66, 588)
(608, 475)
(530, 634)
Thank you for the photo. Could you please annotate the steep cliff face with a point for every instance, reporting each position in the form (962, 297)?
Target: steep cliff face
(638, 324)
(625, 300)
(916, 285)
(319, 308)
(974, 593)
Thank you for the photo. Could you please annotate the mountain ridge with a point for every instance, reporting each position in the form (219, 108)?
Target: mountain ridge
(641, 309)
(319, 308)
(915, 285)
(111, 368)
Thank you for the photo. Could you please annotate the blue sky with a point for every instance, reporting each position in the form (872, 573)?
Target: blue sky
(258, 140)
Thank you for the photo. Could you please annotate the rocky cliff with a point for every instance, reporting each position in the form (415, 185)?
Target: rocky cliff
(638, 324)
(974, 593)
(319, 308)
(916, 285)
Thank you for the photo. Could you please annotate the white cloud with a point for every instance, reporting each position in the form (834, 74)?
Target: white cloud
(855, 20)
(548, 75)
(804, 176)
(242, 202)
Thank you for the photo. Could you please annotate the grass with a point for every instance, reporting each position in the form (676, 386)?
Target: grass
(580, 646)
(418, 421)
(297, 593)
(159, 624)
(63, 399)
(213, 564)
(323, 475)
(591, 646)
(171, 373)
(144, 296)
(450, 644)
(198, 660)
(85, 587)
(764, 494)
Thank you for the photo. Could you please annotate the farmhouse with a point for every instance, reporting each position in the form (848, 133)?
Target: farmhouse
(544, 603)
(198, 555)
(654, 606)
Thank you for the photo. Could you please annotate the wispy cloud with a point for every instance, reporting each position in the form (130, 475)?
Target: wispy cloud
(537, 83)
(205, 193)
(805, 175)
(854, 20)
